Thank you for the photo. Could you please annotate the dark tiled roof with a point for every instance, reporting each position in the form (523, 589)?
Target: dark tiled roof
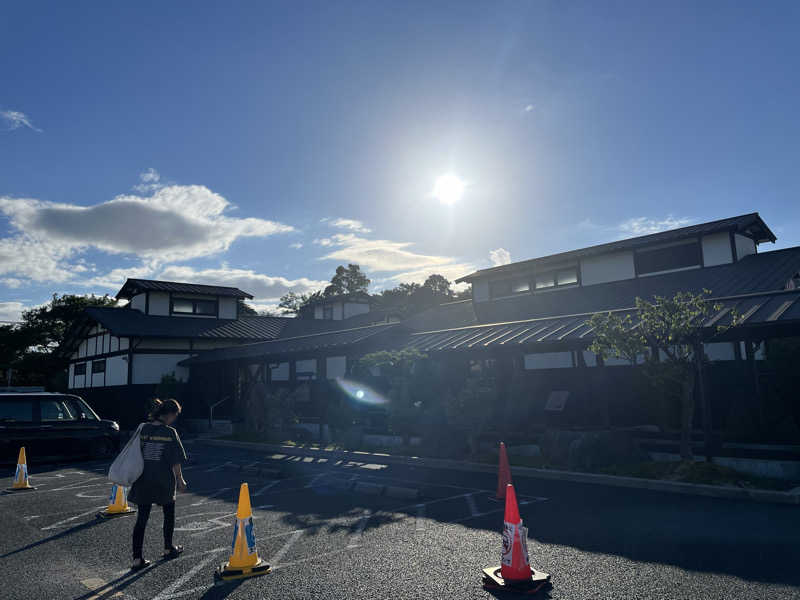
(129, 322)
(755, 311)
(135, 286)
(750, 224)
(293, 345)
(767, 271)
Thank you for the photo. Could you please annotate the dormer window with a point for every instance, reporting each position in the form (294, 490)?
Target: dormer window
(191, 306)
(672, 257)
(557, 278)
(509, 287)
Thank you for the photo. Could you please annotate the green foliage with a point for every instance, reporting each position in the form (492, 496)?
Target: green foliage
(393, 363)
(28, 347)
(348, 280)
(168, 387)
(410, 298)
(246, 309)
(293, 303)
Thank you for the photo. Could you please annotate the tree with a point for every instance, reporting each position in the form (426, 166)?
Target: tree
(410, 298)
(668, 337)
(246, 309)
(439, 286)
(292, 303)
(28, 347)
(348, 280)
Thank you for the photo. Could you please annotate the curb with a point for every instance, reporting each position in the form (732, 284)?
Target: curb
(674, 487)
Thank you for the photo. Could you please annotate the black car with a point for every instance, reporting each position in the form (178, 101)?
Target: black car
(51, 426)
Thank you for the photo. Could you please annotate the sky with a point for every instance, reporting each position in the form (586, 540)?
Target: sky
(260, 145)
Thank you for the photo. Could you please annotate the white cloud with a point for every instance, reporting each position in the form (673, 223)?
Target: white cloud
(499, 256)
(645, 225)
(149, 181)
(14, 119)
(264, 287)
(296, 245)
(528, 108)
(177, 222)
(378, 255)
(351, 224)
(11, 311)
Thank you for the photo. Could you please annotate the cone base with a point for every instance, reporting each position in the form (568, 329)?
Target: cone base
(106, 514)
(492, 580)
(227, 573)
(20, 489)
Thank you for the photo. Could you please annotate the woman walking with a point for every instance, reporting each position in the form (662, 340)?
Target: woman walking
(163, 456)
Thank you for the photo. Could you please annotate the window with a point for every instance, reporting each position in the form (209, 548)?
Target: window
(669, 258)
(189, 306)
(559, 278)
(306, 370)
(548, 360)
(81, 409)
(80, 369)
(15, 409)
(279, 371)
(327, 312)
(98, 366)
(56, 410)
(509, 287)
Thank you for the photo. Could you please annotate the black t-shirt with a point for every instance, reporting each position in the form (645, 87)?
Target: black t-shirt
(161, 450)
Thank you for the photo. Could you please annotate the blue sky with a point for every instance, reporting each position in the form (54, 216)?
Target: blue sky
(261, 144)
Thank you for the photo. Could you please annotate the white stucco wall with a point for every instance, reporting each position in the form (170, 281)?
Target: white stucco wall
(162, 344)
(70, 376)
(548, 360)
(335, 366)
(116, 371)
(717, 249)
(607, 267)
(351, 309)
(139, 302)
(480, 290)
(159, 303)
(227, 308)
(148, 368)
(744, 246)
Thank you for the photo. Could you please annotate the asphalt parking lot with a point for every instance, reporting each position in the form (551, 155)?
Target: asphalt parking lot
(361, 530)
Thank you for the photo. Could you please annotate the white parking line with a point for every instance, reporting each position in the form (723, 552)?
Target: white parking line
(315, 479)
(471, 503)
(219, 467)
(269, 486)
(170, 589)
(285, 548)
(355, 539)
(70, 519)
(420, 524)
(207, 498)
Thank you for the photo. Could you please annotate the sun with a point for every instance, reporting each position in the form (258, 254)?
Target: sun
(448, 188)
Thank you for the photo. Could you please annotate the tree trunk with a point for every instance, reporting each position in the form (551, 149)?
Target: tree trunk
(687, 415)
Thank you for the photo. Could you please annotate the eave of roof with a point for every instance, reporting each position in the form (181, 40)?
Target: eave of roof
(739, 224)
(135, 286)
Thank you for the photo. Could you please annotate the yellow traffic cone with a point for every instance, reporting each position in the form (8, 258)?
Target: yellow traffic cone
(244, 560)
(117, 504)
(21, 481)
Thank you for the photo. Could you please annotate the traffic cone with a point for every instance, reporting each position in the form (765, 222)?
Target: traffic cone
(514, 573)
(117, 504)
(503, 473)
(244, 560)
(21, 481)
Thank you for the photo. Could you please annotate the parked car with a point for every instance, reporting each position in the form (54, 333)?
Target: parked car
(52, 425)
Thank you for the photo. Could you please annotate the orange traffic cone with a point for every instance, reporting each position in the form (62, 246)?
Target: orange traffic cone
(514, 573)
(503, 473)
(244, 560)
(117, 504)
(21, 482)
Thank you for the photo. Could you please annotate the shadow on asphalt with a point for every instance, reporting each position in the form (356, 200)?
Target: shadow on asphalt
(218, 592)
(52, 538)
(753, 541)
(114, 587)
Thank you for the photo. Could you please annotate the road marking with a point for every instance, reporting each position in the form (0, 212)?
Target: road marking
(420, 524)
(170, 589)
(269, 486)
(85, 495)
(65, 521)
(470, 498)
(250, 465)
(219, 467)
(355, 538)
(315, 479)
(94, 584)
(285, 548)
(207, 498)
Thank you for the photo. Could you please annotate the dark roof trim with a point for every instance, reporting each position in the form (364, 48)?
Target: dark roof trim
(750, 225)
(137, 286)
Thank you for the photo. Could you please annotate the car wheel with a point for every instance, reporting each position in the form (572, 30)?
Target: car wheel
(102, 448)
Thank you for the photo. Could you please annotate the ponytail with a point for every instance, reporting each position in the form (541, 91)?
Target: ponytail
(167, 407)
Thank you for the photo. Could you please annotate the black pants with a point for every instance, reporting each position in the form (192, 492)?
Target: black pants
(141, 524)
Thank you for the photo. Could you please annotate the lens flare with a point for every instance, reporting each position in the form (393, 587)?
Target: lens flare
(361, 393)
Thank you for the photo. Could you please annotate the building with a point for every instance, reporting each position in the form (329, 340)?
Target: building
(522, 339)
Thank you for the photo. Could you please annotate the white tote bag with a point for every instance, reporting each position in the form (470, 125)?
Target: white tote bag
(128, 466)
